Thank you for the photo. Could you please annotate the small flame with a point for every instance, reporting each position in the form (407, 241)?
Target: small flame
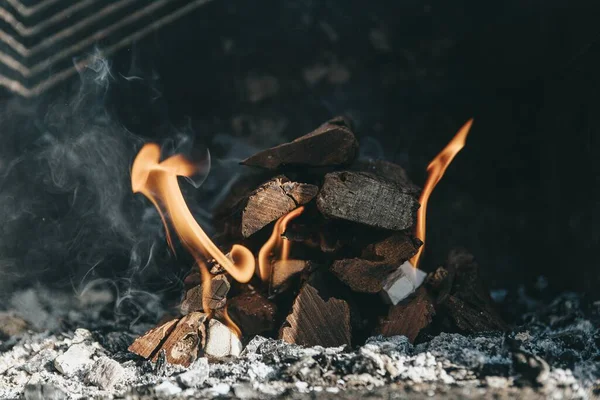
(158, 182)
(436, 169)
(276, 242)
(230, 324)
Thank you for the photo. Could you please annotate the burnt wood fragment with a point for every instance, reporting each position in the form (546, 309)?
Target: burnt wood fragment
(315, 321)
(149, 343)
(331, 144)
(367, 199)
(462, 300)
(362, 276)
(394, 249)
(253, 313)
(284, 271)
(215, 299)
(390, 171)
(408, 317)
(271, 200)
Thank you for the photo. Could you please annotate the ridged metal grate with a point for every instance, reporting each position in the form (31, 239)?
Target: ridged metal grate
(39, 39)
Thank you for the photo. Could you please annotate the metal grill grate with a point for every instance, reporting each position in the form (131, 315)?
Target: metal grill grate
(39, 39)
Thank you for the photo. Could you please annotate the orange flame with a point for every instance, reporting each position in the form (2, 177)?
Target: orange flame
(436, 169)
(158, 182)
(276, 241)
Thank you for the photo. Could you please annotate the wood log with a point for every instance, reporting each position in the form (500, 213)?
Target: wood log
(461, 297)
(408, 317)
(284, 272)
(395, 249)
(362, 276)
(315, 321)
(253, 313)
(390, 171)
(179, 340)
(221, 342)
(331, 144)
(366, 199)
(267, 203)
(215, 299)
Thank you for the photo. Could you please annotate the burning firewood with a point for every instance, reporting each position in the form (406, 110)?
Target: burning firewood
(362, 276)
(267, 203)
(366, 199)
(394, 249)
(179, 339)
(315, 321)
(216, 298)
(331, 144)
(462, 297)
(284, 271)
(390, 171)
(408, 317)
(402, 283)
(253, 313)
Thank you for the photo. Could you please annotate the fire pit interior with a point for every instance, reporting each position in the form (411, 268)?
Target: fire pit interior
(299, 199)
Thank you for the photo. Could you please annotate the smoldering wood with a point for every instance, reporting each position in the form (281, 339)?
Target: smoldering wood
(389, 171)
(361, 275)
(253, 313)
(221, 342)
(284, 271)
(366, 199)
(394, 249)
(462, 298)
(148, 344)
(315, 321)
(185, 341)
(408, 317)
(268, 202)
(215, 299)
(331, 144)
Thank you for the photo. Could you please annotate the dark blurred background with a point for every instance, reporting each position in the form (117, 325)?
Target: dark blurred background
(239, 75)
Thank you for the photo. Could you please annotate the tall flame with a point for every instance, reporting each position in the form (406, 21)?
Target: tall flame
(436, 169)
(158, 182)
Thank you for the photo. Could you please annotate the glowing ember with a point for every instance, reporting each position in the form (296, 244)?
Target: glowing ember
(436, 169)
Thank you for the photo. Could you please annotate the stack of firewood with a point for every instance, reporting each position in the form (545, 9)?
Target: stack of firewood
(346, 247)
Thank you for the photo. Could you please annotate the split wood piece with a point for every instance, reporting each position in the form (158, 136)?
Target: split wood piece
(253, 313)
(462, 296)
(268, 202)
(366, 199)
(180, 340)
(402, 283)
(317, 322)
(390, 171)
(408, 317)
(284, 271)
(331, 144)
(395, 249)
(215, 299)
(221, 342)
(362, 276)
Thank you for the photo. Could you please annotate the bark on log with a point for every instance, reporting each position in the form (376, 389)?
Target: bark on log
(317, 322)
(331, 144)
(366, 199)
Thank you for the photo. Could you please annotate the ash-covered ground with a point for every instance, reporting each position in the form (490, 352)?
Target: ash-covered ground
(55, 346)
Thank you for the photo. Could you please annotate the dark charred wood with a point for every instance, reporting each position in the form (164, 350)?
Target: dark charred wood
(408, 317)
(366, 199)
(462, 300)
(362, 276)
(253, 313)
(315, 321)
(271, 200)
(286, 271)
(389, 171)
(215, 299)
(394, 249)
(331, 144)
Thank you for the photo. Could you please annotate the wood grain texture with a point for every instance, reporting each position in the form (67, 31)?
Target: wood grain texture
(149, 343)
(366, 199)
(362, 276)
(408, 317)
(331, 144)
(317, 322)
(184, 342)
